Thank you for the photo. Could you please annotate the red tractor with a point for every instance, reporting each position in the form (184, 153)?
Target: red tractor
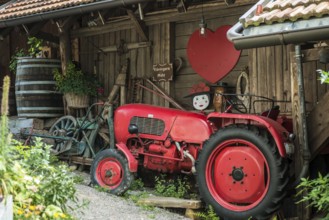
(240, 161)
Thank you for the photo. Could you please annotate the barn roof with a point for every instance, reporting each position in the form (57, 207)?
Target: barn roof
(18, 12)
(274, 22)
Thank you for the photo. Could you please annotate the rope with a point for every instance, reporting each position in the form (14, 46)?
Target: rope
(241, 94)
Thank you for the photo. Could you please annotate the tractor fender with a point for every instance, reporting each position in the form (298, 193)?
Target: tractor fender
(132, 162)
(278, 132)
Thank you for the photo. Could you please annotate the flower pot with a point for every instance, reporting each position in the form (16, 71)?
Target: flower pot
(76, 101)
(6, 208)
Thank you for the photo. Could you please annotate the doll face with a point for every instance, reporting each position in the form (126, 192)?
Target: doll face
(201, 102)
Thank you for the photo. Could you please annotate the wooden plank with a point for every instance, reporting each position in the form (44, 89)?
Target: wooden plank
(278, 73)
(156, 56)
(287, 77)
(81, 160)
(310, 55)
(318, 129)
(170, 202)
(133, 57)
(192, 15)
(111, 73)
(130, 46)
(321, 88)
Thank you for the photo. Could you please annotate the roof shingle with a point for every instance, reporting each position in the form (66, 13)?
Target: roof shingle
(279, 11)
(22, 8)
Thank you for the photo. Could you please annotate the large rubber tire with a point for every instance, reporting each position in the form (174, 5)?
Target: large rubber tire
(110, 170)
(241, 174)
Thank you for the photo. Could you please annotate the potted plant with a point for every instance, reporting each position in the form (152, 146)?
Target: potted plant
(76, 86)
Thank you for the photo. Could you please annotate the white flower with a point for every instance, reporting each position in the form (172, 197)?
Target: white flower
(28, 178)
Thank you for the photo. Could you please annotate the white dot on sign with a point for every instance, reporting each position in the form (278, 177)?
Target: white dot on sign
(150, 115)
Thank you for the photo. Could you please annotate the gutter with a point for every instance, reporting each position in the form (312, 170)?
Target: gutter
(81, 9)
(293, 37)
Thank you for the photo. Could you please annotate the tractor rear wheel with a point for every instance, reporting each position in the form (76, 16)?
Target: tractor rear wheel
(110, 170)
(241, 174)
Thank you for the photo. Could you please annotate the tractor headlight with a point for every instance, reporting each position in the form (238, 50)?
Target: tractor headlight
(290, 148)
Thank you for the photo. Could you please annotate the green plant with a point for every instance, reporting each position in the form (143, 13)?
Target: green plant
(35, 46)
(137, 184)
(208, 215)
(52, 180)
(10, 171)
(316, 193)
(177, 188)
(324, 76)
(40, 185)
(13, 59)
(75, 81)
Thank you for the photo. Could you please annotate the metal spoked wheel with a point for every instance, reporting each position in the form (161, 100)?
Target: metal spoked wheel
(241, 174)
(64, 127)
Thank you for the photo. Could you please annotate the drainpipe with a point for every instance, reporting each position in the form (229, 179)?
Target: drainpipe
(301, 93)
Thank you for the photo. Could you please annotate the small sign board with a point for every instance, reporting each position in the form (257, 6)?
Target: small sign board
(162, 72)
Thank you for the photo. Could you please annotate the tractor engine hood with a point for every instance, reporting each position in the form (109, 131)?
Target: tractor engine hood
(158, 123)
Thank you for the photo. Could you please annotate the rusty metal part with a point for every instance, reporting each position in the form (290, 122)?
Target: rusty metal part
(160, 93)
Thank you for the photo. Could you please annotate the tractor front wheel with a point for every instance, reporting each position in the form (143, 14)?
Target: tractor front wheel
(110, 170)
(241, 174)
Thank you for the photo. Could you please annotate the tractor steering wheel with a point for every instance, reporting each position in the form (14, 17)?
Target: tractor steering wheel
(235, 103)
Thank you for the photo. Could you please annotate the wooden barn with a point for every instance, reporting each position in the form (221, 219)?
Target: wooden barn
(144, 36)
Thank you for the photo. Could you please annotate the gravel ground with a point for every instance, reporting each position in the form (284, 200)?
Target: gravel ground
(104, 206)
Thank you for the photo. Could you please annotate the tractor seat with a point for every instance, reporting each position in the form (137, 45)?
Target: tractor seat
(272, 113)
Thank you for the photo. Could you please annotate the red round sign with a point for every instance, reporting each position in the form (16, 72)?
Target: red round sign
(212, 56)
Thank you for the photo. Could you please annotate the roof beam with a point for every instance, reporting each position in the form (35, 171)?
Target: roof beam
(36, 28)
(65, 24)
(139, 25)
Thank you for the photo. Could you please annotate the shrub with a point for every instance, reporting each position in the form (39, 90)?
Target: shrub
(177, 188)
(316, 193)
(39, 184)
(208, 215)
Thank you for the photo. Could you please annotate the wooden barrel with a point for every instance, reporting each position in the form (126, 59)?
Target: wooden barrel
(36, 96)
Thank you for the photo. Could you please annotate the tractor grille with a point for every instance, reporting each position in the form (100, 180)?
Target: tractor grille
(148, 125)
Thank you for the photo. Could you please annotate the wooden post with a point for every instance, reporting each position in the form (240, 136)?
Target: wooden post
(65, 49)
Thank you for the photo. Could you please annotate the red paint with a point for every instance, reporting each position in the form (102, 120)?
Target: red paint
(109, 172)
(228, 192)
(190, 130)
(132, 162)
(278, 132)
(212, 56)
(177, 123)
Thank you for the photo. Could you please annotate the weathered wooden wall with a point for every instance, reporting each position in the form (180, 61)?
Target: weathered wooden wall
(270, 76)
(106, 65)
(169, 33)
(187, 77)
